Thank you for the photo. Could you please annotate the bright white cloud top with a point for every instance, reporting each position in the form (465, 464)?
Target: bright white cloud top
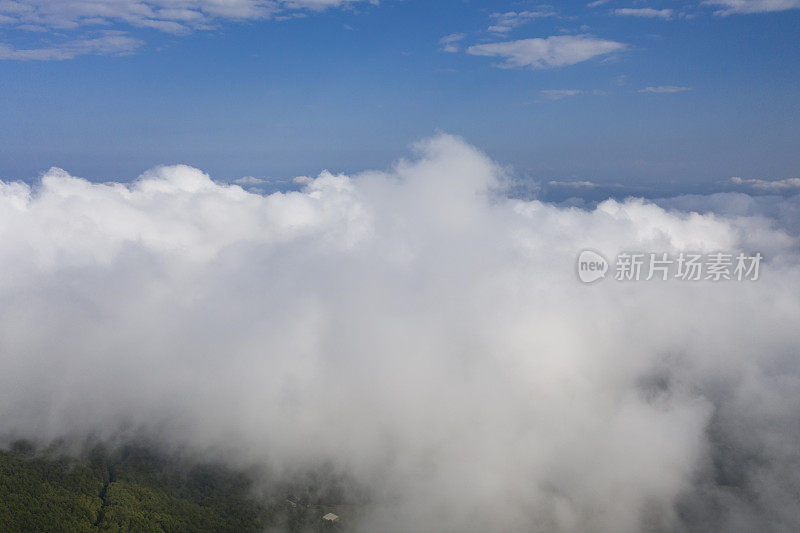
(417, 330)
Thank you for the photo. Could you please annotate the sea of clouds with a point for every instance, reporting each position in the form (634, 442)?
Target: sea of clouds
(422, 332)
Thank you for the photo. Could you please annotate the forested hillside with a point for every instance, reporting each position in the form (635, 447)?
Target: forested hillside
(134, 489)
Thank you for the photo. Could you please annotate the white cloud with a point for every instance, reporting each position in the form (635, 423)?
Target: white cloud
(665, 89)
(573, 184)
(646, 12)
(505, 22)
(787, 184)
(730, 7)
(419, 332)
(451, 43)
(550, 52)
(249, 181)
(166, 15)
(108, 43)
(32, 28)
(558, 94)
(171, 16)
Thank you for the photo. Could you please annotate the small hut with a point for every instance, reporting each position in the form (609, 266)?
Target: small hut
(331, 518)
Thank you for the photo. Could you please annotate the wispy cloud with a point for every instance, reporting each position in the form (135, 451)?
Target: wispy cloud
(165, 15)
(731, 7)
(573, 184)
(665, 89)
(550, 52)
(450, 43)
(645, 12)
(559, 94)
(108, 43)
(769, 185)
(170, 16)
(505, 22)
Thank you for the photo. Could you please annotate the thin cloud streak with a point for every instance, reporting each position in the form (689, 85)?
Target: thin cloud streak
(550, 52)
(746, 7)
(114, 43)
(665, 89)
(665, 14)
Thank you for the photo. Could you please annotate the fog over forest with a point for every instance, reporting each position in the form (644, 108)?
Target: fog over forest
(419, 332)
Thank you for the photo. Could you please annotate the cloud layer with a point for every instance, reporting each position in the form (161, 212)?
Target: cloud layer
(420, 331)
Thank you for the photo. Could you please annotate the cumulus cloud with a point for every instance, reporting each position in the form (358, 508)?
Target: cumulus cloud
(171, 16)
(645, 12)
(665, 89)
(550, 52)
(418, 330)
(780, 210)
(731, 7)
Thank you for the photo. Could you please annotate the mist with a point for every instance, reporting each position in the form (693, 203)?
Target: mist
(421, 331)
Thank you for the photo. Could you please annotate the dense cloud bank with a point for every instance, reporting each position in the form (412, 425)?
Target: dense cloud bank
(422, 333)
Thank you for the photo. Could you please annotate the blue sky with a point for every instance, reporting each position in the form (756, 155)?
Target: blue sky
(626, 91)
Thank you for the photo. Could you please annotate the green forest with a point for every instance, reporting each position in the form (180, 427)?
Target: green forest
(135, 489)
